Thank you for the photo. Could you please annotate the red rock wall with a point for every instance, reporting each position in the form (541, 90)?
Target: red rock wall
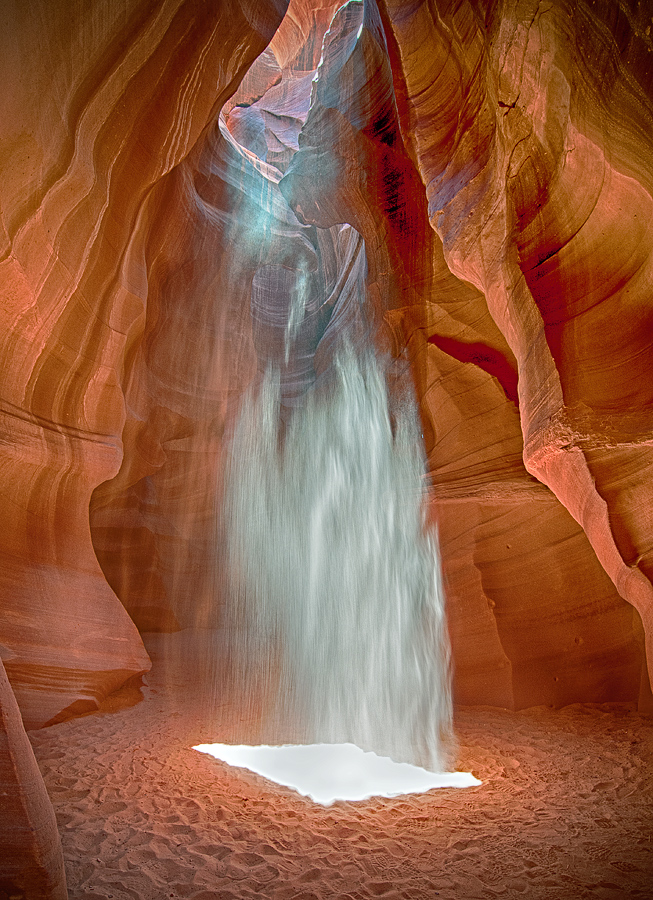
(534, 145)
(113, 100)
(31, 861)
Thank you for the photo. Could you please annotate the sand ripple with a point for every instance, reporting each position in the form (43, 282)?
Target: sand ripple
(564, 811)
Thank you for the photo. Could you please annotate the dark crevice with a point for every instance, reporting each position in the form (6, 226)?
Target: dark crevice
(486, 358)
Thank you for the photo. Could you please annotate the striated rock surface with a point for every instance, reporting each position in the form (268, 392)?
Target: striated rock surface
(114, 99)
(534, 144)
(31, 861)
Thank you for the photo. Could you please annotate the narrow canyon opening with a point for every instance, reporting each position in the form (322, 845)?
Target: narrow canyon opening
(334, 607)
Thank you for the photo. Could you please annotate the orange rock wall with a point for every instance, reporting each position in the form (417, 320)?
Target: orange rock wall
(534, 144)
(112, 100)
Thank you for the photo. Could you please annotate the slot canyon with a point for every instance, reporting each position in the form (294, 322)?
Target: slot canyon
(192, 191)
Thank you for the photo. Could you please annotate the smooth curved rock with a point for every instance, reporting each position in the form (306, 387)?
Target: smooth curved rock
(530, 129)
(31, 861)
(297, 43)
(114, 99)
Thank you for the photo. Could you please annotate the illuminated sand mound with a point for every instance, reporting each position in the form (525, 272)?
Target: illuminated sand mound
(330, 772)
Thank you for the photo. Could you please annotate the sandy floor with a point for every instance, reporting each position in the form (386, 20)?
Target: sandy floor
(565, 809)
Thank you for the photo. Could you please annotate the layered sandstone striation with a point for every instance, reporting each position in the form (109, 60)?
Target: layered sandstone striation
(114, 98)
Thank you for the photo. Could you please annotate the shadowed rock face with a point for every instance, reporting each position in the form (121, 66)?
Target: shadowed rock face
(538, 178)
(31, 861)
(188, 190)
(466, 186)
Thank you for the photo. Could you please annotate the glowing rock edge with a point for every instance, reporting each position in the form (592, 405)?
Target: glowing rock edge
(330, 772)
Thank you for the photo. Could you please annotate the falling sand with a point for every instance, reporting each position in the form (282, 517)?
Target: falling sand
(564, 811)
(335, 577)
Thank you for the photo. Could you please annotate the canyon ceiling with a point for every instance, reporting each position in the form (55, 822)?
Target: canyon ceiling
(465, 185)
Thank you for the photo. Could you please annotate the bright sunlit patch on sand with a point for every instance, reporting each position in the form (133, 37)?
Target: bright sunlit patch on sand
(330, 772)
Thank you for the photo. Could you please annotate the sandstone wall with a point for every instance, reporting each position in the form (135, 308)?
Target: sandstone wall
(101, 101)
(531, 127)
(31, 861)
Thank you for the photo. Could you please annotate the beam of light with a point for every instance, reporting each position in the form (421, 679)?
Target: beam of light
(337, 608)
(330, 772)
